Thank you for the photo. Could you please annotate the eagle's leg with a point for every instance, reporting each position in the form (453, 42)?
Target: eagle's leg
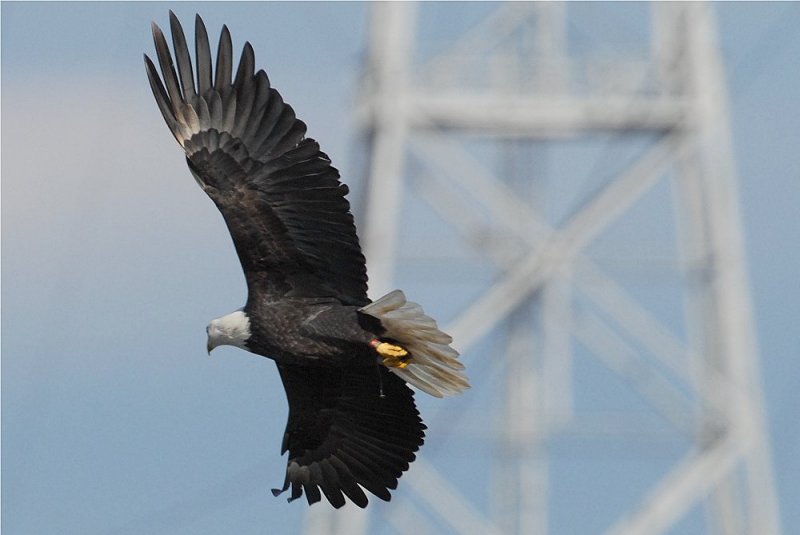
(394, 356)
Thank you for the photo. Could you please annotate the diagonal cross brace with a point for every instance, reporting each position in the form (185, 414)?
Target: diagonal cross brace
(560, 246)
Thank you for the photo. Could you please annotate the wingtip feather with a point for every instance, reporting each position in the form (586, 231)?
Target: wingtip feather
(224, 60)
(182, 57)
(202, 56)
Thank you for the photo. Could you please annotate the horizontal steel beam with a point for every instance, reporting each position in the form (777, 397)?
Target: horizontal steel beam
(544, 116)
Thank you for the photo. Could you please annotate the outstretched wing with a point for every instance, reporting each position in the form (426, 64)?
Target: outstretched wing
(281, 198)
(348, 429)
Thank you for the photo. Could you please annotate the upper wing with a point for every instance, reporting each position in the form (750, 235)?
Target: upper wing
(348, 428)
(281, 198)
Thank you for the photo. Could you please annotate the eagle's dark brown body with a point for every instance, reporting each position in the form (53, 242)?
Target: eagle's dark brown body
(306, 331)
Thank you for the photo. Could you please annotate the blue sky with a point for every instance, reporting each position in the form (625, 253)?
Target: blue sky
(114, 420)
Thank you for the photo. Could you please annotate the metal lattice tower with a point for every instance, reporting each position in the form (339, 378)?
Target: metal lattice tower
(551, 293)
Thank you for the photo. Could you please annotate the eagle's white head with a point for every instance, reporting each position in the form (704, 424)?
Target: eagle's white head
(232, 329)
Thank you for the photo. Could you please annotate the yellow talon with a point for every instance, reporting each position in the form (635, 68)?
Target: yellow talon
(397, 362)
(393, 356)
(390, 350)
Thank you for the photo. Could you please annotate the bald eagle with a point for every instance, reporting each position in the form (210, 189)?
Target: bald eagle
(345, 362)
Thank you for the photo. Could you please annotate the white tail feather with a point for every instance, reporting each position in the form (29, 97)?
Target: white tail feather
(434, 367)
